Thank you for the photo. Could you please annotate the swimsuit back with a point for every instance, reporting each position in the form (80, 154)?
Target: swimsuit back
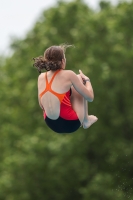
(67, 121)
(48, 88)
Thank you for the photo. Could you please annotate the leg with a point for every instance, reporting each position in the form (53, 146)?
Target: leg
(80, 105)
(88, 119)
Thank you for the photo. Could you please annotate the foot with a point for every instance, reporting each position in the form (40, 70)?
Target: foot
(88, 122)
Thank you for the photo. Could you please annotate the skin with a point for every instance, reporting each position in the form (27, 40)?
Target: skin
(62, 83)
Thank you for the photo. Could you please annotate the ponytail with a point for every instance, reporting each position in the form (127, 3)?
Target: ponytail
(41, 64)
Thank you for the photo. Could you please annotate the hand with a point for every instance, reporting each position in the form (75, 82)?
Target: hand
(83, 76)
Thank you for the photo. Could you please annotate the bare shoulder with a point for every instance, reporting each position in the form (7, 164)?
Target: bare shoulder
(70, 73)
(41, 76)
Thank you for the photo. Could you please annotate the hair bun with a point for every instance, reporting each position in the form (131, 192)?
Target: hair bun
(54, 65)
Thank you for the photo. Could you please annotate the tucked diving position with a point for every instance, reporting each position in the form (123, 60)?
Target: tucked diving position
(63, 95)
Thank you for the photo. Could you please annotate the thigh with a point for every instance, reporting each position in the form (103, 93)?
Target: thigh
(77, 102)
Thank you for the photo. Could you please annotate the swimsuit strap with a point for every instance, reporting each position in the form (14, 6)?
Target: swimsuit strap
(49, 83)
(63, 98)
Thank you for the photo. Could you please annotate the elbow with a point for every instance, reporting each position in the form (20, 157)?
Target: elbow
(91, 98)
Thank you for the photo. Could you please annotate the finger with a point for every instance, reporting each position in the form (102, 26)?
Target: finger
(80, 71)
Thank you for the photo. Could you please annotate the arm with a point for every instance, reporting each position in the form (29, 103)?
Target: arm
(87, 90)
(87, 83)
(39, 100)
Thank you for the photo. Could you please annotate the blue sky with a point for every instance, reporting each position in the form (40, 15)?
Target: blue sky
(17, 17)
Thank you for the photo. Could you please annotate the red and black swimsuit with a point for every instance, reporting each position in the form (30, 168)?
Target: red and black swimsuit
(67, 121)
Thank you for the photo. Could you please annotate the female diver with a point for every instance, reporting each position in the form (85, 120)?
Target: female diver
(62, 94)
